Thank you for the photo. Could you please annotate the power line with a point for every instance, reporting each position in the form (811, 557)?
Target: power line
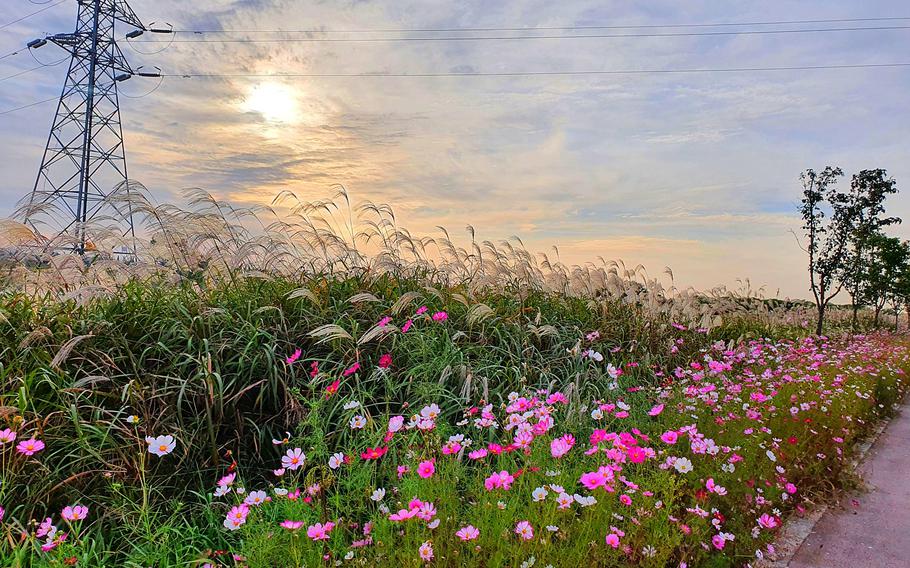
(533, 37)
(11, 53)
(552, 28)
(35, 13)
(8, 111)
(31, 69)
(537, 73)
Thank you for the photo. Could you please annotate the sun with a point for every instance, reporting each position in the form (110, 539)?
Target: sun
(276, 102)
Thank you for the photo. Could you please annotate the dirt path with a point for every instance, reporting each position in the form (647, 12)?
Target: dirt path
(870, 529)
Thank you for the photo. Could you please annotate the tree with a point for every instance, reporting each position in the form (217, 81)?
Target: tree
(902, 294)
(868, 190)
(880, 279)
(828, 222)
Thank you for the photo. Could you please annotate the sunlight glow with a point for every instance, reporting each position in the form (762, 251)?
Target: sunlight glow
(276, 102)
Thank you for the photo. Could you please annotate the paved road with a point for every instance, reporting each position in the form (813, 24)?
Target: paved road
(875, 533)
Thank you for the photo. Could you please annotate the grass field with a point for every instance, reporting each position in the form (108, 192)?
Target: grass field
(416, 425)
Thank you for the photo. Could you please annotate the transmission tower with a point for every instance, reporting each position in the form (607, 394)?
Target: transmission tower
(84, 160)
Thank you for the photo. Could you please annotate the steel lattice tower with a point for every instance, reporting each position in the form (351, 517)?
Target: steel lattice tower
(84, 161)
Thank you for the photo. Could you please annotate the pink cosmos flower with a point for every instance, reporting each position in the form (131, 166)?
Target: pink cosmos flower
(718, 541)
(467, 533)
(236, 517)
(293, 459)
(227, 480)
(74, 512)
(524, 530)
(53, 542)
(161, 445)
(421, 310)
(404, 514)
(291, 525)
(395, 423)
(499, 480)
(7, 435)
(767, 521)
(478, 454)
(669, 437)
(292, 358)
(332, 388)
(426, 469)
(385, 361)
(440, 316)
(613, 540)
(625, 499)
(320, 531)
(384, 321)
(600, 478)
(351, 370)
(561, 446)
(426, 551)
(656, 410)
(46, 528)
(451, 447)
(30, 447)
(407, 325)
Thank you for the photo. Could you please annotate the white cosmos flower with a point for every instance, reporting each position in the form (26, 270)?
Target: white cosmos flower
(683, 465)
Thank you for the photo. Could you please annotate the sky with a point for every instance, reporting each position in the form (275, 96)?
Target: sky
(698, 172)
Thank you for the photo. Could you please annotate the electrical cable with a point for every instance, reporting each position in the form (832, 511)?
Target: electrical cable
(8, 111)
(8, 24)
(536, 73)
(554, 28)
(534, 37)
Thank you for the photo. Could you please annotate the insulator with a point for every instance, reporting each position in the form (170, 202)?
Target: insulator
(134, 34)
(35, 44)
(122, 77)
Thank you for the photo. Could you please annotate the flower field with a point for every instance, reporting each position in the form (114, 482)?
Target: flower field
(264, 424)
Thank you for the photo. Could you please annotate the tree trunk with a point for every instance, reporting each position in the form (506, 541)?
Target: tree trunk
(878, 313)
(855, 322)
(821, 319)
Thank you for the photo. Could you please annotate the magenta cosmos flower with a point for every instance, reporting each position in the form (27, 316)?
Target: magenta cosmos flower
(30, 447)
(74, 512)
(501, 480)
(656, 410)
(669, 437)
(426, 469)
(293, 357)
